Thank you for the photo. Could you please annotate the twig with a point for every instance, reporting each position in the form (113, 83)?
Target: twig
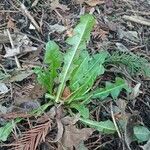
(114, 121)
(35, 3)
(12, 45)
(27, 13)
(140, 12)
(137, 19)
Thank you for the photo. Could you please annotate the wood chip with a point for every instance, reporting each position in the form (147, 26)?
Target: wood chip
(137, 19)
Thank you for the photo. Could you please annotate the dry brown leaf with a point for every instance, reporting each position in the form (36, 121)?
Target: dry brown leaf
(73, 136)
(99, 33)
(66, 93)
(11, 24)
(22, 44)
(37, 92)
(135, 91)
(94, 2)
(70, 120)
(19, 75)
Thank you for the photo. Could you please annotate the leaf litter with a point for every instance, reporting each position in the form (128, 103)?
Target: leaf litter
(130, 36)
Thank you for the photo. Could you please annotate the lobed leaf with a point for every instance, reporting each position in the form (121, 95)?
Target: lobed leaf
(53, 57)
(84, 76)
(78, 43)
(89, 67)
(102, 126)
(82, 109)
(111, 88)
(44, 78)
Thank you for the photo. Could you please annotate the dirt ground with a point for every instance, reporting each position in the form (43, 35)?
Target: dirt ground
(122, 25)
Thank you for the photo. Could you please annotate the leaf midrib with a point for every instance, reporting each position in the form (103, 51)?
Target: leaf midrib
(98, 125)
(109, 90)
(60, 88)
(87, 72)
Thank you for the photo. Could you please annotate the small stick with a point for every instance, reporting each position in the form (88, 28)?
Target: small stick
(27, 13)
(12, 45)
(137, 19)
(140, 12)
(35, 3)
(114, 121)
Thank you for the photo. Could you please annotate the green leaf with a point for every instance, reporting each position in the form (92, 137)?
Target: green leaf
(88, 68)
(78, 43)
(83, 111)
(141, 133)
(53, 55)
(102, 126)
(111, 88)
(83, 78)
(81, 66)
(44, 78)
(53, 58)
(7, 129)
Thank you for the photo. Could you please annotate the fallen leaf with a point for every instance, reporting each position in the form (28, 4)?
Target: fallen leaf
(73, 136)
(135, 91)
(66, 93)
(29, 105)
(19, 75)
(57, 28)
(11, 24)
(28, 100)
(100, 33)
(22, 44)
(55, 4)
(70, 120)
(11, 51)
(33, 137)
(3, 88)
(130, 35)
(94, 2)
(121, 47)
(37, 92)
